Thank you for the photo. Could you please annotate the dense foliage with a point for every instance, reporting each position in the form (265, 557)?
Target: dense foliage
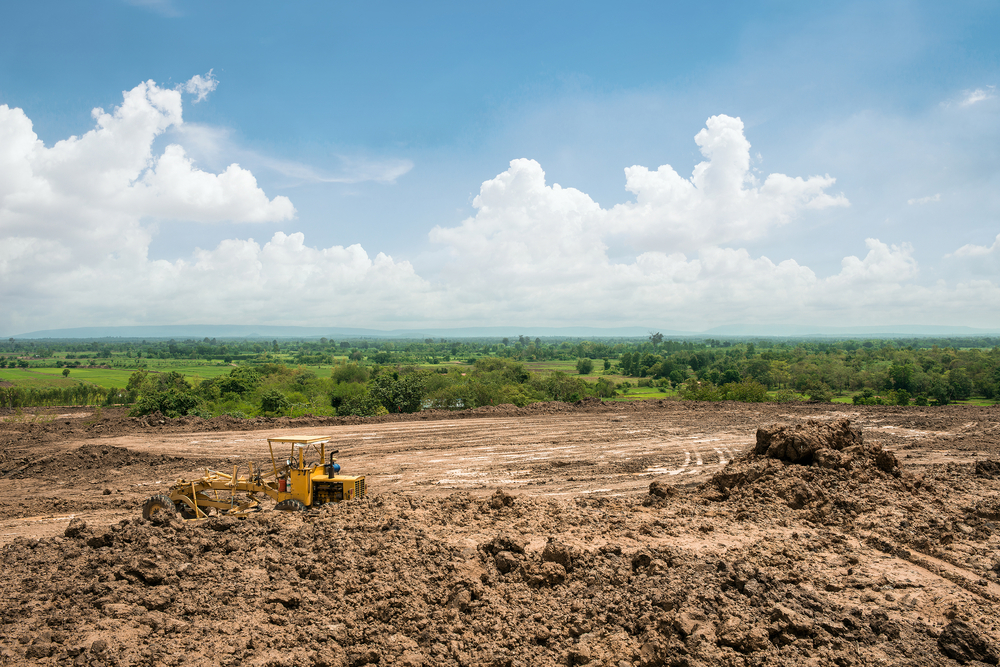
(370, 377)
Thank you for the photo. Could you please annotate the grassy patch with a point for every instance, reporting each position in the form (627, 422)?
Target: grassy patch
(35, 378)
(643, 393)
(102, 377)
(553, 365)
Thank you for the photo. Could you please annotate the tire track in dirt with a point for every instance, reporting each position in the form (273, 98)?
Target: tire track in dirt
(552, 454)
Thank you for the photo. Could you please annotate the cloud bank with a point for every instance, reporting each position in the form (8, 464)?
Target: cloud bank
(76, 221)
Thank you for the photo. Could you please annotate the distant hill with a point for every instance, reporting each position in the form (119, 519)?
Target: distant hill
(196, 331)
(888, 330)
(184, 331)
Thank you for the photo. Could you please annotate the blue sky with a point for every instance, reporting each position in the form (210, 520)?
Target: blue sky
(854, 179)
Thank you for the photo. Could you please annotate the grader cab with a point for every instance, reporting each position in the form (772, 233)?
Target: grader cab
(305, 478)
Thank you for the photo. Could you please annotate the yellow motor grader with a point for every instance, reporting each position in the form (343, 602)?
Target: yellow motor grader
(304, 479)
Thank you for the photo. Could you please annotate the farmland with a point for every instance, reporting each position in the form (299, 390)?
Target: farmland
(315, 377)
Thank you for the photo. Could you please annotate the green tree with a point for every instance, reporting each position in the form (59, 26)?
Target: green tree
(65, 372)
(274, 402)
(241, 380)
(361, 404)
(901, 376)
(604, 388)
(399, 393)
(940, 392)
(959, 384)
(584, 366)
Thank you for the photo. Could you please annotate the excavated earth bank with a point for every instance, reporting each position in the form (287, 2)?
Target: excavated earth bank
(835, 536)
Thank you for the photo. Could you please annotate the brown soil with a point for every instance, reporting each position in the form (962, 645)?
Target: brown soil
(657, 533)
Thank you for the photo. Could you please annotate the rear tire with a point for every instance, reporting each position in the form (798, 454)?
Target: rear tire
(291, 505)
(158, 507)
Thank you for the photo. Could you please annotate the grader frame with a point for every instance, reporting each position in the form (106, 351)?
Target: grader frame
(299, 483)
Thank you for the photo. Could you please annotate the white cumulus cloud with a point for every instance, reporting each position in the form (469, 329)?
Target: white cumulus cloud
(920, 201)
(75, 236)
(722, 201)
(973, 250)
(200, 86)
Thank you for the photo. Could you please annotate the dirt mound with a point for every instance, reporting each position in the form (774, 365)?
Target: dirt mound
(816, 465)
(367, 583)
(802, 442)
(89, 457)
(93, 457)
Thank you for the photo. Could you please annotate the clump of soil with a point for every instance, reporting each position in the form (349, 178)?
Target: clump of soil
(402, 580)
(816, 465)
(848, 556)
(803, 442)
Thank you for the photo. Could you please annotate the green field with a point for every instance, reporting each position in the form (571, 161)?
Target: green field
(984, 402)
(643, 393)
(35, 378)
(552, 365)
(102, 377)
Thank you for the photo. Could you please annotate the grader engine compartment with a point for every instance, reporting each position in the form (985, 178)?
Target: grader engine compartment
(307, 476)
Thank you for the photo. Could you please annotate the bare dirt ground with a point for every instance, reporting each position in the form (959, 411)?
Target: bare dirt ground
(886, 552)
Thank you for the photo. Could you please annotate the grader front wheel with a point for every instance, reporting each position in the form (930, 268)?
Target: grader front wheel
(158, 507)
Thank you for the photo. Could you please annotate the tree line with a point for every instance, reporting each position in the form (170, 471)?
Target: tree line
(893, 371)
(370, 375)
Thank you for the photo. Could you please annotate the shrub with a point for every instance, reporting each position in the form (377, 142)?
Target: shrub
(820, 392)
(349, 373)
(274, 402)
(173, 403)
(784, 396)
(240, 381)
(362, 404)
(747, 391)
(694, 390)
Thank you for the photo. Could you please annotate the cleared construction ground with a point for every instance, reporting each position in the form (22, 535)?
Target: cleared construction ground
(511, 536)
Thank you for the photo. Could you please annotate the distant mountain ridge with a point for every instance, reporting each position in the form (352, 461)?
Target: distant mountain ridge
(277, 331)
(185, 331)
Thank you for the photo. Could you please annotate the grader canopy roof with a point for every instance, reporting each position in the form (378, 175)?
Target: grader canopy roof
(300, 439)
